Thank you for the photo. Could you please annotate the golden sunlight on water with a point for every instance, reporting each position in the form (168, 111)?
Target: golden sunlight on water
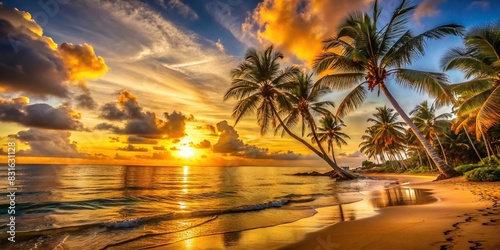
(109, 207)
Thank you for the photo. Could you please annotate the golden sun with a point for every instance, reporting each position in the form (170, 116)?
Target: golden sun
(186, 152)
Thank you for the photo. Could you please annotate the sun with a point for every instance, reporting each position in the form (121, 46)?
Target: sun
(186, 152)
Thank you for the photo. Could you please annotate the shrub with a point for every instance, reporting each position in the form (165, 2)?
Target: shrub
(420, 170)
(494, 162)
(483, 174)
(468, 167)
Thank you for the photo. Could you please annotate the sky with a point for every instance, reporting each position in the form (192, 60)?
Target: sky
(141, 82)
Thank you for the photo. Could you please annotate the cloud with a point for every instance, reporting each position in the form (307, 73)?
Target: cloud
(210, 128)
(166, 155)
(254, 152)
(34, 64)
(121, 157)
(297, 27)
(159, 148)
(114, 139)
(352, 155)
(180, 7)
(428, 8)
(40, 115)
(48, 143)
(140, 123)
(133, 148)
(141, 140)
(162, 155)
(202, 144)
(85, 100)
(228, 141)
(484, 5)
(220, 46)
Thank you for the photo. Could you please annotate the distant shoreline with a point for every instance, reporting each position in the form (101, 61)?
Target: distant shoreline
(466, 216)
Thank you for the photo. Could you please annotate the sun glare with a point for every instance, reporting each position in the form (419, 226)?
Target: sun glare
(186, 152)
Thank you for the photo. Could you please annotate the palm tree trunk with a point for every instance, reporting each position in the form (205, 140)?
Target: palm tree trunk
(486, 145)
(446, 171)
(315, 136)
(442, 150)
(327, 159)
(472, 143)
(333, 156)
(420, 158)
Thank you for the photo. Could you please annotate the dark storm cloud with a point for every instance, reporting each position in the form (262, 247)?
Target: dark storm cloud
(39, 115)
(48, 143)
(140, 123)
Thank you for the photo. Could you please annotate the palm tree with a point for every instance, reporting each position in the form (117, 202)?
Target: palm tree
(431, 126)
(365, 52)
(329, 132)
(479, 59)
(261, 87)
(388, 132)
(305, 99)
(369, 147)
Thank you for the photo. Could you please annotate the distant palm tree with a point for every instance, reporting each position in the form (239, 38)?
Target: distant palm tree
(386, 127)
(261, 87)
(430, 124)
(479, 59)
(329, 132)
(369, 148)
(388, 132)
(367, 53)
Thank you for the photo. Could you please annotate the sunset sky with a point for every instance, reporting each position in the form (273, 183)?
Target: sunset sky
(141, 82)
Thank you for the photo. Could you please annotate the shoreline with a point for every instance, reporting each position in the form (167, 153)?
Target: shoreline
(465, 216)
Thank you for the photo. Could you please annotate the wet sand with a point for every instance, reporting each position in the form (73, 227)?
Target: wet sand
(465, 216)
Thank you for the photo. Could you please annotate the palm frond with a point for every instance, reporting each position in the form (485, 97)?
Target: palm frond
(341, 81)
(474, 86)
(473, 103)
(434, 84)
(352, 101)
(489, 113)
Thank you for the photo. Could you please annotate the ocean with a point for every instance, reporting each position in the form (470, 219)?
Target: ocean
(155, 207)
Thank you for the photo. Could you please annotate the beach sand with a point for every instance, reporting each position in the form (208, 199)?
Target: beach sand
(466, 216)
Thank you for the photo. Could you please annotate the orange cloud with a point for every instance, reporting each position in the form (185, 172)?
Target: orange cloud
(298, 27)
(81, 62)
(34, 64)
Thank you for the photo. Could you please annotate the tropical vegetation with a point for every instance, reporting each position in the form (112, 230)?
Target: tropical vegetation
(368, 54)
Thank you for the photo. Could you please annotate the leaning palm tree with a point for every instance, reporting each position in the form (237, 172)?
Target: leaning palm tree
(261, 87)
(479, 59)
(329, 132)
(431, 125)
(365, 52)
(305, 99)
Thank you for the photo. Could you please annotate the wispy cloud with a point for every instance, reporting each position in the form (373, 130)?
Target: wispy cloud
(484, 5)
(179, 6)
(428, 8)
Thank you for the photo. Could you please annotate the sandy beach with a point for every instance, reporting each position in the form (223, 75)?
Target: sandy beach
(466, 216)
